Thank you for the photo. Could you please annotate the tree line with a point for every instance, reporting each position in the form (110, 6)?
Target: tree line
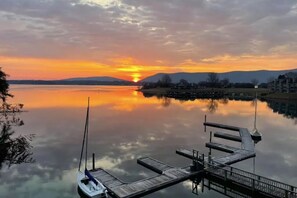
(213, 81)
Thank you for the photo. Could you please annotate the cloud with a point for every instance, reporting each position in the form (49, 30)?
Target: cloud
(151, 32)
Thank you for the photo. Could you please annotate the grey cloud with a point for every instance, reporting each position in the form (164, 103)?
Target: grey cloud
(170, 30)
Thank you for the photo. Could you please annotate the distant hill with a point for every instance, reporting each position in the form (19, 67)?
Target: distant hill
(95, 78)
(64, 82)
(235, 76)
(98, 80)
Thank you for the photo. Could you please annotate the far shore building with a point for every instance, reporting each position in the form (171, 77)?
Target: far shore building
(286, 83)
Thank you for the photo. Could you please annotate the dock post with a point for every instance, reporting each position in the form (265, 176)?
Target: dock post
(202, 186)
(210, 139)
(93, 160)
(204, 122)
(203, 160)
(210, 136)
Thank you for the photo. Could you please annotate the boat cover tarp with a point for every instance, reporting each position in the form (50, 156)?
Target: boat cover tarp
(87, 173)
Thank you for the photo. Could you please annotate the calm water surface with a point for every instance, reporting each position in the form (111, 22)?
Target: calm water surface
(124, 126)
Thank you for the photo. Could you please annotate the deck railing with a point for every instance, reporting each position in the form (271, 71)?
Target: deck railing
(226, 191)
(254, 181)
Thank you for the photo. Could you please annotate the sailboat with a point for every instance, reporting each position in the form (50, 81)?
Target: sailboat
(88, 185)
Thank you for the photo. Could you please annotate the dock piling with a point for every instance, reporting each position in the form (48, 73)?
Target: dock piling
(93, 160)
(204, 122)
(210, 136)
(203, 162)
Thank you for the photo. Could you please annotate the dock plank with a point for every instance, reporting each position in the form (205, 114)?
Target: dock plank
(142, 187)
(185, 153)
(221, 126)
(107, 179)
(237, 156)
(227, 136)
(221, 147)
(153, 164)
(247, 141)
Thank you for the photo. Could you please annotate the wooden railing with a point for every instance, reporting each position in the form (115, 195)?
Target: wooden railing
(262, 184)
(226, 191)
(255, 182)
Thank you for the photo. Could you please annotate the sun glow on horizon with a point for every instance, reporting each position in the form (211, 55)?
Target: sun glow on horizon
(136, 77)
(26, 68)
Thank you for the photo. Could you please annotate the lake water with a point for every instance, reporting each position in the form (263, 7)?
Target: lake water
(124, 125)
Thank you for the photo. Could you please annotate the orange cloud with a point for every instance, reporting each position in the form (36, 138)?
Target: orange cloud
(240, 63)
(48, 69)
(130, 68)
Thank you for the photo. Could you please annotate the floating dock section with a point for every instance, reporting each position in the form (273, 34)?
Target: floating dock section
(235, 154)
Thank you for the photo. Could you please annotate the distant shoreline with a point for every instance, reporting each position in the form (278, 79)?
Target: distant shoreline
(61, 82)
(282, 96)
(238, 93)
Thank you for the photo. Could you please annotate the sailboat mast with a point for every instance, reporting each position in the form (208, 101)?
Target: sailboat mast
(87, 133)
(84, 138)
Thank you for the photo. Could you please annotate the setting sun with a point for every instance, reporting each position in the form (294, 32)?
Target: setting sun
(135, 77)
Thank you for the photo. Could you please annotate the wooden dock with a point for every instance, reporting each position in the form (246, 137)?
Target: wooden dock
(247, 142)
(168, 176)
(217, 169)
(246, 150)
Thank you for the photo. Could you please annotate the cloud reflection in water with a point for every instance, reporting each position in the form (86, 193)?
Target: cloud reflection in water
(140, 127)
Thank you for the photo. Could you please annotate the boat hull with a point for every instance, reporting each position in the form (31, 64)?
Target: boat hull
(89, 189)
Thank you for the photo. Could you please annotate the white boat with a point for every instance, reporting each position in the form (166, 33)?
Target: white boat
(88, 186)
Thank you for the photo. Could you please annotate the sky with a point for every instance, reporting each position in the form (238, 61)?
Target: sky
(133, 39)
